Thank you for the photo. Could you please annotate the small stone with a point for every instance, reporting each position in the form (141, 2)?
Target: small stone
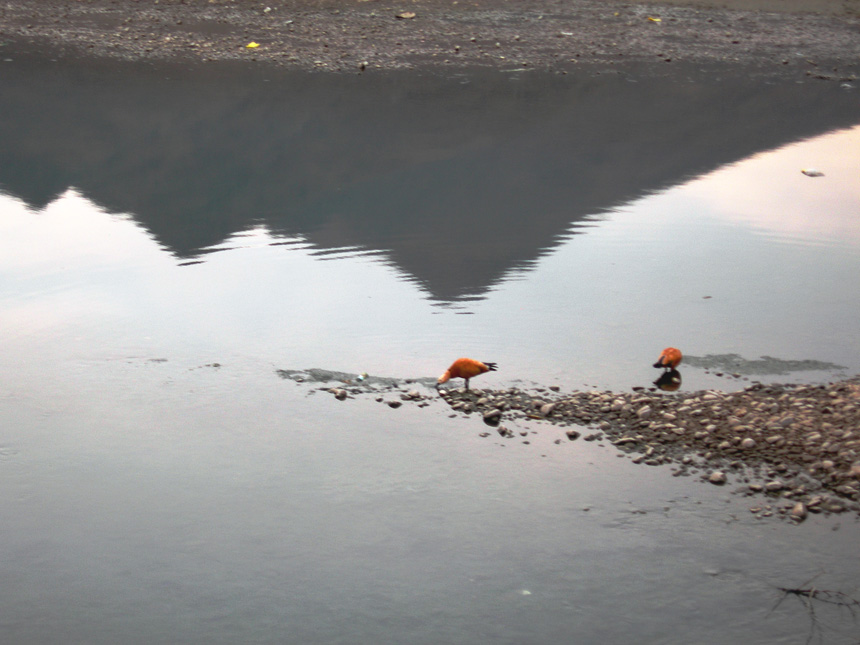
(748, 443)
(547, 409)
(624, 440)
(644, 412)
(799, 512)
(717, 477)
(339, 394)
(774, 486)
(573, 435)
(834, 506)
(493, 416)
(395, 404)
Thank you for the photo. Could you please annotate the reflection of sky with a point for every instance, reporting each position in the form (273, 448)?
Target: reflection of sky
(696, 266)
(769, 192)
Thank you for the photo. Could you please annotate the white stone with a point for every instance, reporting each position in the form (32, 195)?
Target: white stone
(717, 477)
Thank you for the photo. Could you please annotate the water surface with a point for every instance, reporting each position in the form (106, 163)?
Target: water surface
(171, 238)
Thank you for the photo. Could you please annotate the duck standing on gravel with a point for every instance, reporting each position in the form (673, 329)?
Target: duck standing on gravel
(669, 359)
(465, 368)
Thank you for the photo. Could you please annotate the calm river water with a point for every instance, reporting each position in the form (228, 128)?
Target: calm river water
(170, 238)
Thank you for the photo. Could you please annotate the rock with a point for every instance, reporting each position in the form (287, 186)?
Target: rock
(717, 477)
(799, 512)
(547, 408)
(492, 417)
(395, 404)
(774, 486)
(339, 394)
(624, 440)
(644, 412)
(834, 506)
(573, 435)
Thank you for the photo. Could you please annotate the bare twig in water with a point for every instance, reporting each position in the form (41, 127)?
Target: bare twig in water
(809, 595)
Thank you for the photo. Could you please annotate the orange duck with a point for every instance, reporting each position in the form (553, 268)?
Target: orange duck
(465, 368)
(669, 359)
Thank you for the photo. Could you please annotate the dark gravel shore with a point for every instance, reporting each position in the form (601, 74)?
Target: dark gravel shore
(794, 448)
(360, 35)
(799, 445)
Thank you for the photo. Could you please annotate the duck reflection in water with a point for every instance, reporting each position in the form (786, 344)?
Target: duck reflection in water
(669, 381)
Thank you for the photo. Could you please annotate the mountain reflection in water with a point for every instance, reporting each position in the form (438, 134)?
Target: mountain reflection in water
(458, 181)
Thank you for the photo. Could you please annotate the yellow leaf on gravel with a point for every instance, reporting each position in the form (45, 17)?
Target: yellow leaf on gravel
(252, 45)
